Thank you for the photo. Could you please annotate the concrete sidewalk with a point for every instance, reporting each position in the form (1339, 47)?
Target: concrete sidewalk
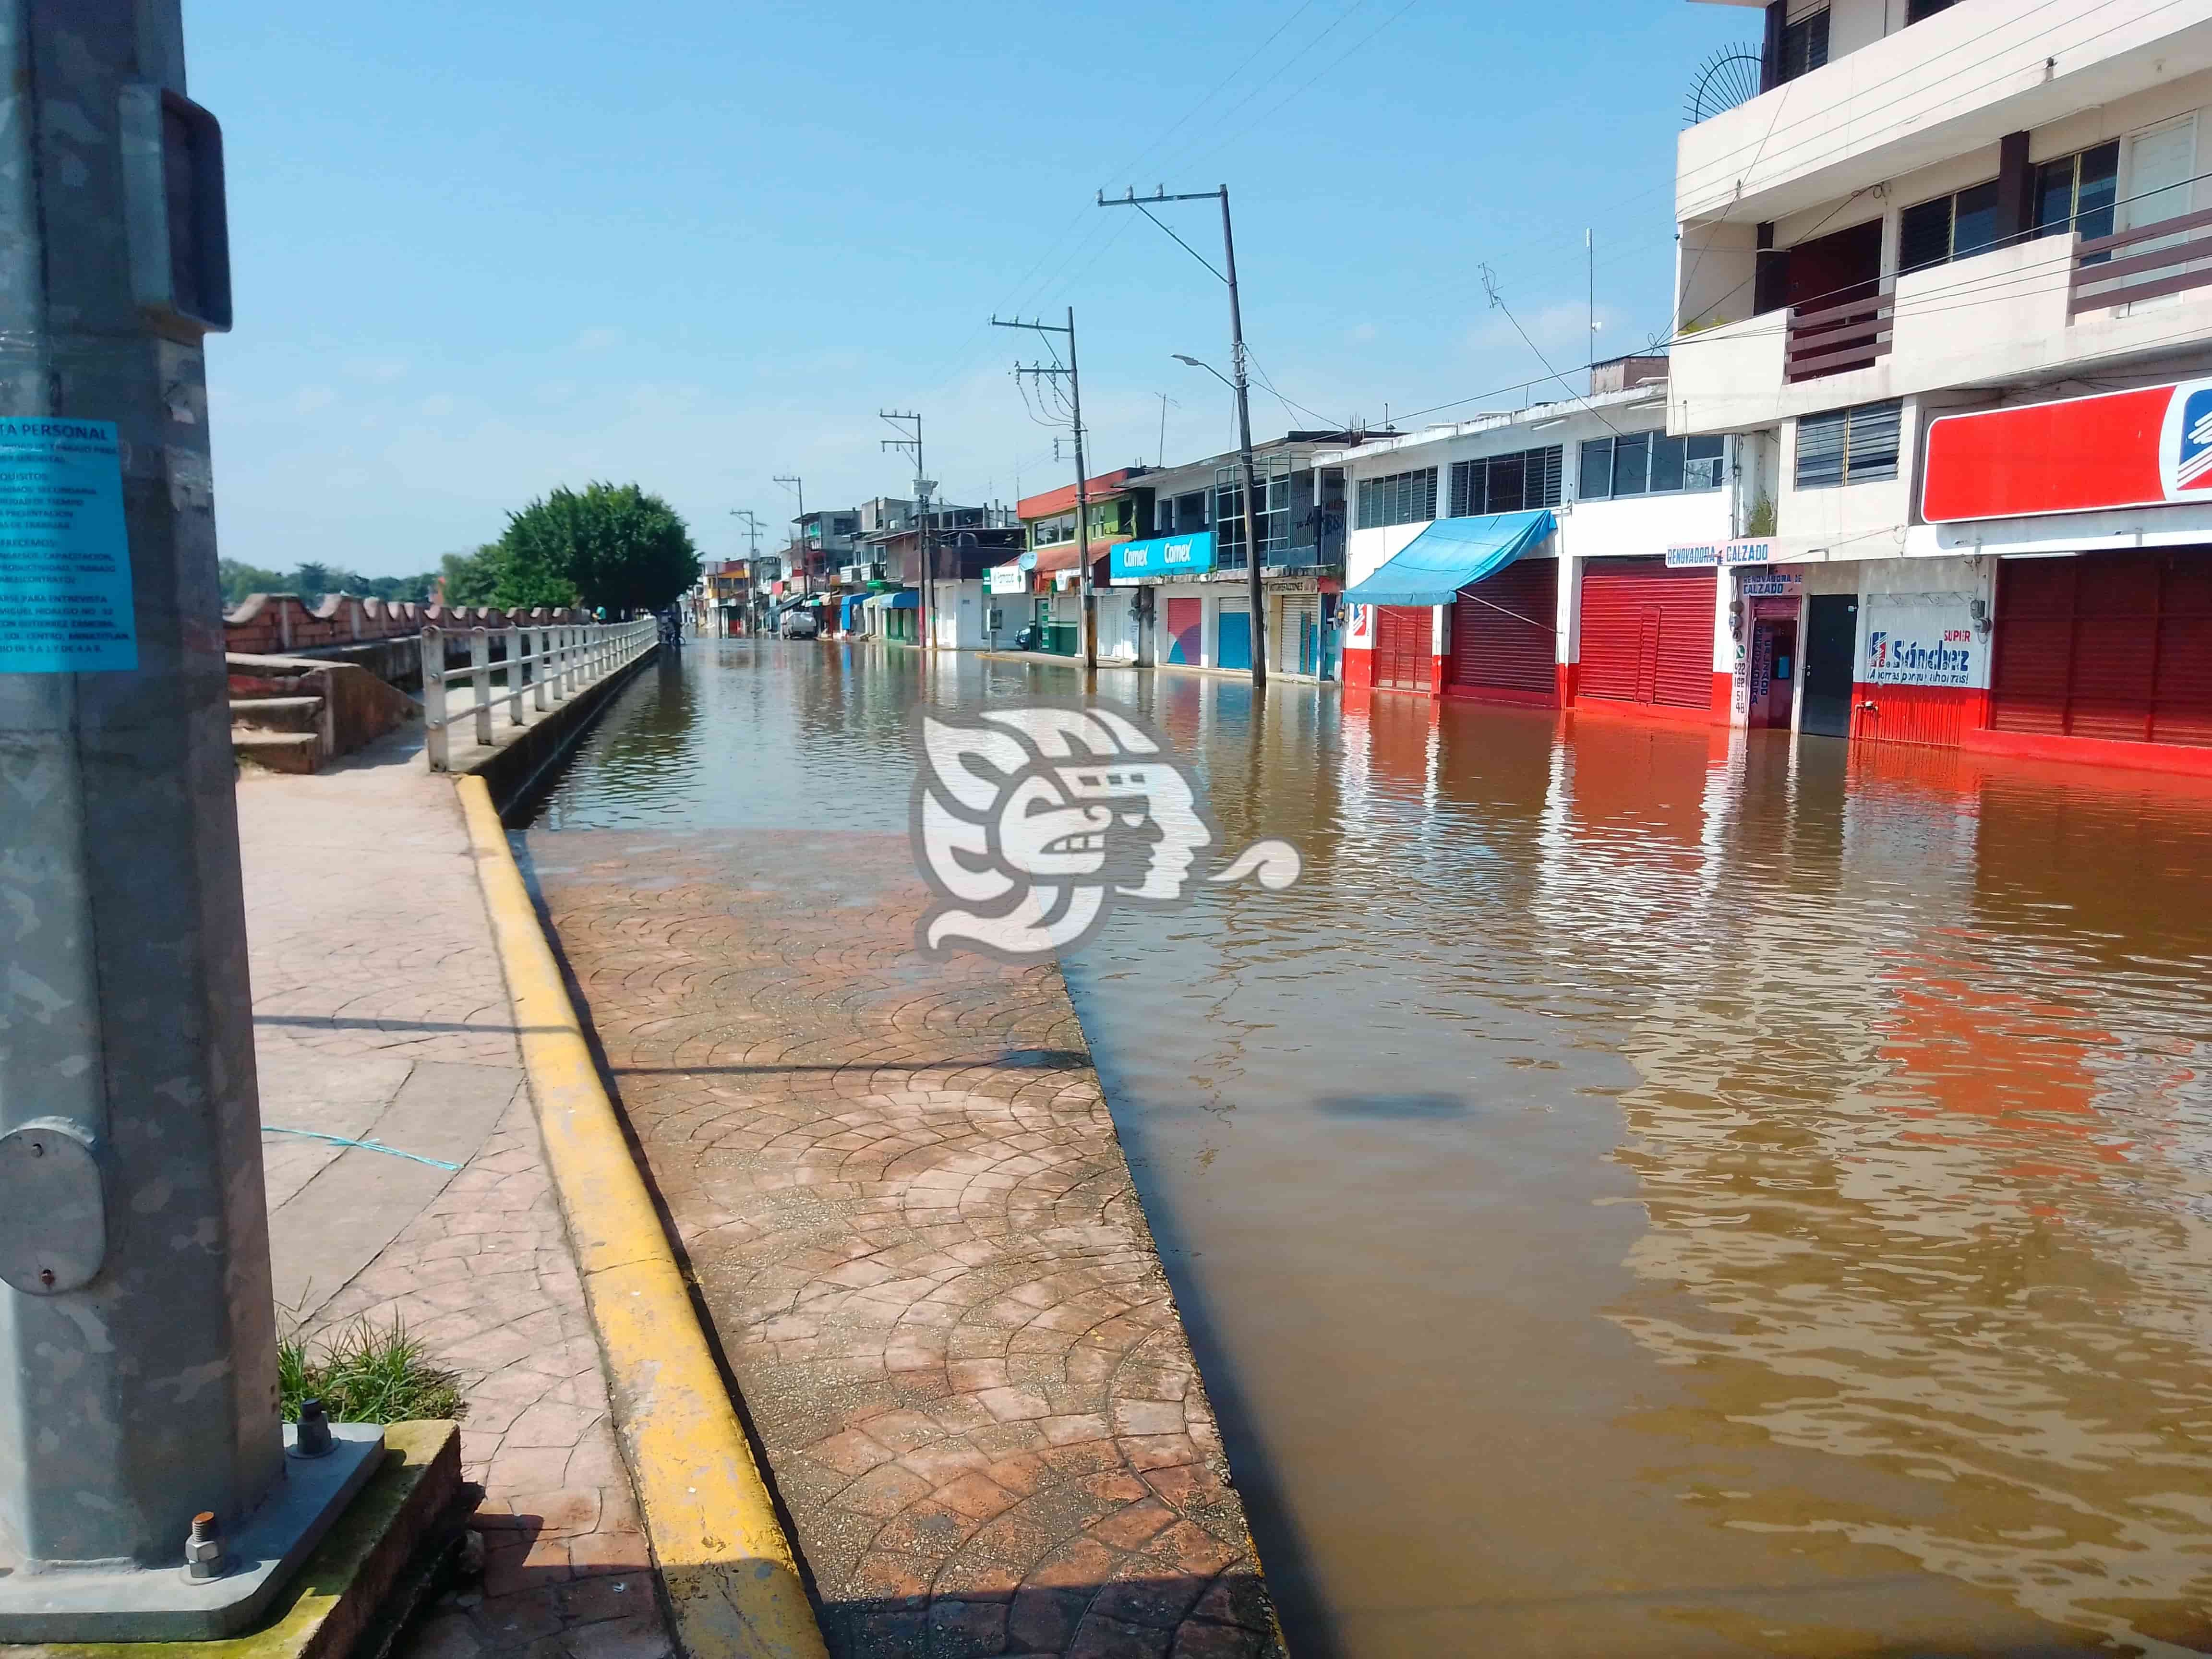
(909, 1214)
(380, 1015)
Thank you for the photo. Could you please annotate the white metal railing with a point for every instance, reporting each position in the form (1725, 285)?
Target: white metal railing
(561, 660)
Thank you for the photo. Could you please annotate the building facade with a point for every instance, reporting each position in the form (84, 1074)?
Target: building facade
(1947, 276)
(1188, 575)
(1045, 589)
(1572, 554)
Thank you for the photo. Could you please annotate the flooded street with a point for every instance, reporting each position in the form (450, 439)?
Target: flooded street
(1644, 1191)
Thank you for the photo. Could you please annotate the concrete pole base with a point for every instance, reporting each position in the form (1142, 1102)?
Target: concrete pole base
(161, 1604)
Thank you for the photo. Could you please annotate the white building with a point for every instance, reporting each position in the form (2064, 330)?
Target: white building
(1979, 209)
(1187, 571)
(1568, 554)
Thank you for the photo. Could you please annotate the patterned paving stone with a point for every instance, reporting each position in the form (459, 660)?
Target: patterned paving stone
(379, 1011)
(903, 1198)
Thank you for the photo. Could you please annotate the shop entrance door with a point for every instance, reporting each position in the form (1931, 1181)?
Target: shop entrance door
(1832, 635)
(1773, 673)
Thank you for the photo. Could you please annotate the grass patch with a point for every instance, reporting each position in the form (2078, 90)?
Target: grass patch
(366, 1374)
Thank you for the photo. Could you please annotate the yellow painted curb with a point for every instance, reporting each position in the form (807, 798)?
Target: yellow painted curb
(731, 1576)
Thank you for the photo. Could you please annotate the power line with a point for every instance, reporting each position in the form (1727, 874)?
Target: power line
(1951, 94)
(1344, 58)
(1490, 288)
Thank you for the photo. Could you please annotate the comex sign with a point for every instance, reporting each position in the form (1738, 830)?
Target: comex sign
(1163, 556)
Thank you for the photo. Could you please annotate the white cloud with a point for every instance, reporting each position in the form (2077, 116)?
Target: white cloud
(599, 339)
(310, 398)
(377, 371)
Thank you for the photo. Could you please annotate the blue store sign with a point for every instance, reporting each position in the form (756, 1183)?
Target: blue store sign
(1163, 556)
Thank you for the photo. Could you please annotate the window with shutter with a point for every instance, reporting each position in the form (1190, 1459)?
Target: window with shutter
(1848, 445)
(1401, 498)
(1821, 450)
(1870, 442)
(1515, 482)
(1804, 45)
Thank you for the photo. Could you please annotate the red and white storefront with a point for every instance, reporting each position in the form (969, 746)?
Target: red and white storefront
(2085, 525)
(1596, 618)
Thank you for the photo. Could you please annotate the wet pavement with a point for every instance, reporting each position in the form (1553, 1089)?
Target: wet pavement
(1644, 1191)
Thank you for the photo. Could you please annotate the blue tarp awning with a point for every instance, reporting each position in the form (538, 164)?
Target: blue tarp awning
(1433, 567)
(906, 599)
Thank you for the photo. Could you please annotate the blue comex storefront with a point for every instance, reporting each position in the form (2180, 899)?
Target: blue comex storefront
(1162, 555)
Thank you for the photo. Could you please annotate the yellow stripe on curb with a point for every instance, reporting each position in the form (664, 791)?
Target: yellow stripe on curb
(731, 1576)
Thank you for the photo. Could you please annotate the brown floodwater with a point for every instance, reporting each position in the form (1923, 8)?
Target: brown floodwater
(1642, 1192)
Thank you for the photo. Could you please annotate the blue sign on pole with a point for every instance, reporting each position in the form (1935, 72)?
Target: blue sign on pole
(1163, 556)
(64, 555)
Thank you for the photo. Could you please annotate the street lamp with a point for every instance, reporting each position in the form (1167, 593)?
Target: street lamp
(1208, 367)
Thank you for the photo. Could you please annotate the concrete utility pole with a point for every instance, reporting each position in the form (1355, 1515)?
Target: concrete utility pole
(1242, 385)
(138, 1382)
(924, 545)
(752, 523)
(1056, 371)
(797, 487)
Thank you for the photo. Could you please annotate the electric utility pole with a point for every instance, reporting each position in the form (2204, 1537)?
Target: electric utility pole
(138, 1384)
(922, 487)
(752, 527)
(752, 523)
(1242, 384)
(1056, 372)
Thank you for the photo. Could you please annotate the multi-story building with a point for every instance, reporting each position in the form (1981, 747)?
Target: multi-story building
(1186, 564)
(1045, 587)
(912, 581)
(725, 597)
(1568, 555)
(1946, 275)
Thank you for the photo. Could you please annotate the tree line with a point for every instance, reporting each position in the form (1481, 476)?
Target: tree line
(607, 546)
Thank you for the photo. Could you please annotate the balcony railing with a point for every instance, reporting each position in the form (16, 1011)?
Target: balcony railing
(1836, 339)
(2181, 262)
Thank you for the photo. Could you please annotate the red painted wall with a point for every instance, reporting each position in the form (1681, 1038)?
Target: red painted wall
(1940, 715)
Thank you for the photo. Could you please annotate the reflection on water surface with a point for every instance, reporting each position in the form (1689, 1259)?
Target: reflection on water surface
(1642, 1192)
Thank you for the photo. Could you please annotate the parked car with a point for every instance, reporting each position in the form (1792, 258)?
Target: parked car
(801, 625)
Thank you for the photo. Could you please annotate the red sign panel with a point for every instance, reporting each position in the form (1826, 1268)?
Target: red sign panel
(2143, 449)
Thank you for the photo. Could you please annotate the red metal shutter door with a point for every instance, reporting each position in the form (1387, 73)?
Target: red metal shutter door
(2182, 712)
(2114, 646)
(1502, 633)
(1402, 640)
(2034, 645)
(2115, 650)
(1648, 633)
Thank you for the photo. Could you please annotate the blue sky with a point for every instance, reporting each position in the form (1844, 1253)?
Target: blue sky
(486, 248)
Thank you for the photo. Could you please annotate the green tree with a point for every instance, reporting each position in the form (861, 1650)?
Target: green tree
(611, 546)
(471, 578)
(239, 581)
(311, 580)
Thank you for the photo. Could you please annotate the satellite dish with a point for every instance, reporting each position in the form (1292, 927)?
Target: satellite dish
(1728, 78)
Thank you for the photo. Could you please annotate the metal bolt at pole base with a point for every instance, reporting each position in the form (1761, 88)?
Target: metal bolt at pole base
(138, 1385)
